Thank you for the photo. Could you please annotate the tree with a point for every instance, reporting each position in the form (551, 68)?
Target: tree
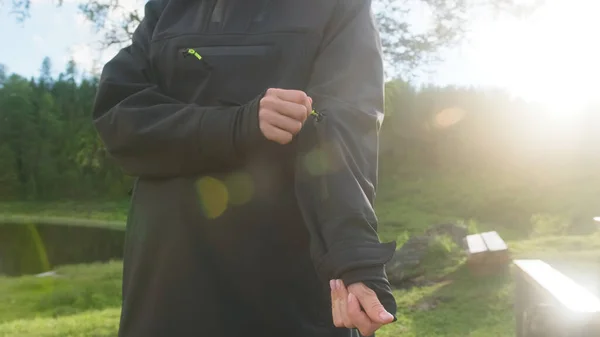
(2, 75)
(45, 79)
(408, 44)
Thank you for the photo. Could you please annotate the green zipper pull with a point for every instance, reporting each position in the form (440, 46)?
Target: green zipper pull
(318, 115)
(192, 52)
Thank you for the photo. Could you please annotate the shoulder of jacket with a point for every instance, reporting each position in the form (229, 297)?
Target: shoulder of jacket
(156, 7)
(353, 4)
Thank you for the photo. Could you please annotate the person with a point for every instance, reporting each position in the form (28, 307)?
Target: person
(251, 128)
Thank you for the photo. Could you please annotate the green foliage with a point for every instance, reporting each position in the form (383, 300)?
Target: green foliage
(443, 257)
(586, 247)
(452, 153)
(548, 225)
(48, 146)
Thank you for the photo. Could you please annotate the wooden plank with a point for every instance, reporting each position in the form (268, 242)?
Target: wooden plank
(475, 244)
(487, 253)
(476, 252)
(548, 303)
(498, 250)
(494, 242)
(563, 289)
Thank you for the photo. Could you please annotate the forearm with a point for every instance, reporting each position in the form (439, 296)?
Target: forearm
(337, 199)
(152, 135)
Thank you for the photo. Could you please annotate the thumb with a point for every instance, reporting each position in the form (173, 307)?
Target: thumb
(370, 303)
(309, 106)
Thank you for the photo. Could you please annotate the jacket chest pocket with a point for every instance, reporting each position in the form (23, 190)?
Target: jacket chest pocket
(220, 75)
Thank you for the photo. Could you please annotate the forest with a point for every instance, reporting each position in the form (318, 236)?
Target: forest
(502, 159)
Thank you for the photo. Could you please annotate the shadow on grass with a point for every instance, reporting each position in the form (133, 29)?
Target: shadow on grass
(464, 305)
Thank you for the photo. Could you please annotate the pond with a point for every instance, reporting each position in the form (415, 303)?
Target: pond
(36, 248)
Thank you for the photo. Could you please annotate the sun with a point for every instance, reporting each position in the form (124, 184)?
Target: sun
(551, 57)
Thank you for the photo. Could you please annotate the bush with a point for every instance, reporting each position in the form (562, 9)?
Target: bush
(442, 255)
(543, 224)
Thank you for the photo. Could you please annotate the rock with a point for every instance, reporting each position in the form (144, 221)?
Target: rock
(455, 232)
(404, 265)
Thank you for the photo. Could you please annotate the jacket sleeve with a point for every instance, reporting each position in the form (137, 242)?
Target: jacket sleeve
(336, 169)
(153, 135)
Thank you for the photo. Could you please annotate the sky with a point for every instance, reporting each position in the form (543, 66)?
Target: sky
(551, 57)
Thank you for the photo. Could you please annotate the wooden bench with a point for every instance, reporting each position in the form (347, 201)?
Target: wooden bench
(486, 253)
(548, 303)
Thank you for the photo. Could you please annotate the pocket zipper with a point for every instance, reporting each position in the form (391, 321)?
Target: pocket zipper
(187, 52)
(191, 52)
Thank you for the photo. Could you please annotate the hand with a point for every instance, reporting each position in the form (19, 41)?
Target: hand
(346, 306)
(282, 113)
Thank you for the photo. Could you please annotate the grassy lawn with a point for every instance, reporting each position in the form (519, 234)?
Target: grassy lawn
(108, 214)
(85, 299)
(110, 211)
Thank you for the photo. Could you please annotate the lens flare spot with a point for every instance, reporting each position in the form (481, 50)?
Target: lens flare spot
(448, 117)
(240, 187)
(316, 162)
(213, 196)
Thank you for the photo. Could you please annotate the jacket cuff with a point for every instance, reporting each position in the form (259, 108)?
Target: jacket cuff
(338, 262)
(374, 274)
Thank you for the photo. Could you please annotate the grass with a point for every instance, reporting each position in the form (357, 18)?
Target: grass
(108, 214)
(100, 323)
(109, 211)
(85, 299)
(78, 289)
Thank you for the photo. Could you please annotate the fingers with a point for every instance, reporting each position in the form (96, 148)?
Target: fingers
(282, 122)
(370, 303)
(348, 304)
(297, 111)
(339, 299)
(343, 295)
(309, 107)
(360, 319)
(282, 114)
(295, 96)
(335, 305)
(275, 134)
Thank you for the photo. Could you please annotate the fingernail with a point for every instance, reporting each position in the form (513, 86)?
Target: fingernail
(332, 284)
(339, 284)
(386, 316)
(350, 298)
